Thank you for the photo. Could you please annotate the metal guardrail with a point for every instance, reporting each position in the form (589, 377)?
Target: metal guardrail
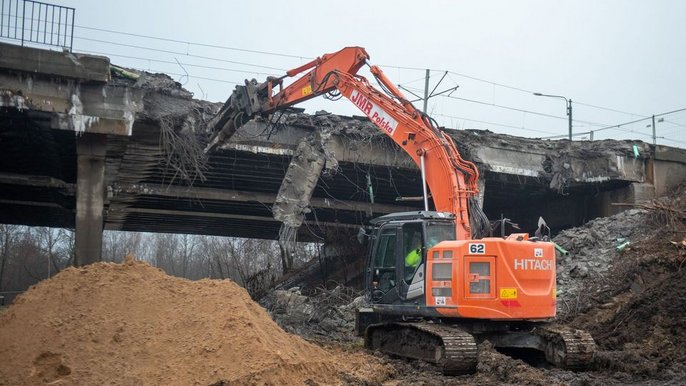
(37, 22)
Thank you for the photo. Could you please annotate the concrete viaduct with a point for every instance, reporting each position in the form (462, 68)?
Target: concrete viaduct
(91, 146)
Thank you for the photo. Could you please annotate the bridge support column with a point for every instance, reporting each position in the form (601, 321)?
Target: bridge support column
(90, 193)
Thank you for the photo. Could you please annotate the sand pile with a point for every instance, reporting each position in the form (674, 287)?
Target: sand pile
(132, 324)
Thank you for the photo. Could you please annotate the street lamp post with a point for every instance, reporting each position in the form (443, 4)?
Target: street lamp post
(568, 102)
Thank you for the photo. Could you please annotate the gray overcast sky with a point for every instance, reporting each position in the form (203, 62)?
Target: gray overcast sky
(623, 55)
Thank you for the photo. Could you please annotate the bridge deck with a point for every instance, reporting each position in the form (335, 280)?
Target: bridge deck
(62, 123)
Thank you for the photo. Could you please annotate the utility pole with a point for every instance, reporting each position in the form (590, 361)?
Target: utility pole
(654, 136)
(426, 90)
(421, 158)
(568, 103)
(569, 113)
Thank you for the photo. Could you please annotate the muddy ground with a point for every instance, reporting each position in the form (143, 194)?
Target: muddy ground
(624, 281)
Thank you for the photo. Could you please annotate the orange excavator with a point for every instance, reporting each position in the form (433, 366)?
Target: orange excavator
(436, 286)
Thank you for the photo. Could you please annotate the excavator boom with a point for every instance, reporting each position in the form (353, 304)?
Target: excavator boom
(451, 179)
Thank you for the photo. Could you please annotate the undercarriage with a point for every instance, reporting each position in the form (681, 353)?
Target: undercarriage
(452, 345)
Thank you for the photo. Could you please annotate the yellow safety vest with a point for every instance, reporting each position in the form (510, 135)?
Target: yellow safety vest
(413, 258)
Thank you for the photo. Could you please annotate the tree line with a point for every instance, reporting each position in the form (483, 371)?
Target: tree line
(31, 254)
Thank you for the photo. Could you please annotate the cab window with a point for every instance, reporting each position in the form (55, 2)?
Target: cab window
(384, 260)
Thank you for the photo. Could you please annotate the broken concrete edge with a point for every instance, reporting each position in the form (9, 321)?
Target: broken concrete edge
(469, 141)
(362, 129)
(114, 121)
(293, 199)
(667, 153)
(56, 63)
(71, 80)
(11, 99)
(72, 104)
(561, 163)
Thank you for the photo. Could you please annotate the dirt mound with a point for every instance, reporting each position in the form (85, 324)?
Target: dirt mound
(133, 324)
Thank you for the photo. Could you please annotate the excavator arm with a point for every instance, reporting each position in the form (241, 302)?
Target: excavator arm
(451, 179)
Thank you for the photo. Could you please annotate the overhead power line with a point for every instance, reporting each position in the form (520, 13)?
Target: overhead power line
(640, 120)
(492, 123)
(504, 107)
(305, 57)
(179, 53)
(608, 109)
(194, 43)
(620, 128)
(181, 63)
(674, 123)
(268, 67)
(271, 53)
(516, 109)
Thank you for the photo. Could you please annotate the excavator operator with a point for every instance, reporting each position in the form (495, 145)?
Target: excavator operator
(413, 258)
(413, 246)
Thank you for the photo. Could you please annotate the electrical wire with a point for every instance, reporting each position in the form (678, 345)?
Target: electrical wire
(640, 120)
(516, 109)
(493, 123)
(609, 109)
(183, 63)
(263, 52)
(179, 53)
(304, 57)
(194, 43)
(301, 57)
(674, 123)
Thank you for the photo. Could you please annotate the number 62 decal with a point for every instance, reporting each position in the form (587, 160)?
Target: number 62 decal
(477, 248)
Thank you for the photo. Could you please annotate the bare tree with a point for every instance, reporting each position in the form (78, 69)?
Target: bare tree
(117, 244)
(8, 237)
(51, 242)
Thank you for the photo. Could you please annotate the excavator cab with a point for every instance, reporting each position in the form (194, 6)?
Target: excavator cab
(395, 273)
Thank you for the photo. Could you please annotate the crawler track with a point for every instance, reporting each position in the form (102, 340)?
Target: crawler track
(453, 349)
(567, 348)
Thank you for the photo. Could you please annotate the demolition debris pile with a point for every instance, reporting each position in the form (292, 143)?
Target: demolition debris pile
(636, 311)
(132, 324)
(325, 316)
(593, 250)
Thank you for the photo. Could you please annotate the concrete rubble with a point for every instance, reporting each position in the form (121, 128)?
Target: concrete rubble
(326, 315)
(310, 158)
(593, 251)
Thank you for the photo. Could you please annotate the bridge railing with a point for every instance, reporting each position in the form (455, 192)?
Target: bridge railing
(37, 22)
